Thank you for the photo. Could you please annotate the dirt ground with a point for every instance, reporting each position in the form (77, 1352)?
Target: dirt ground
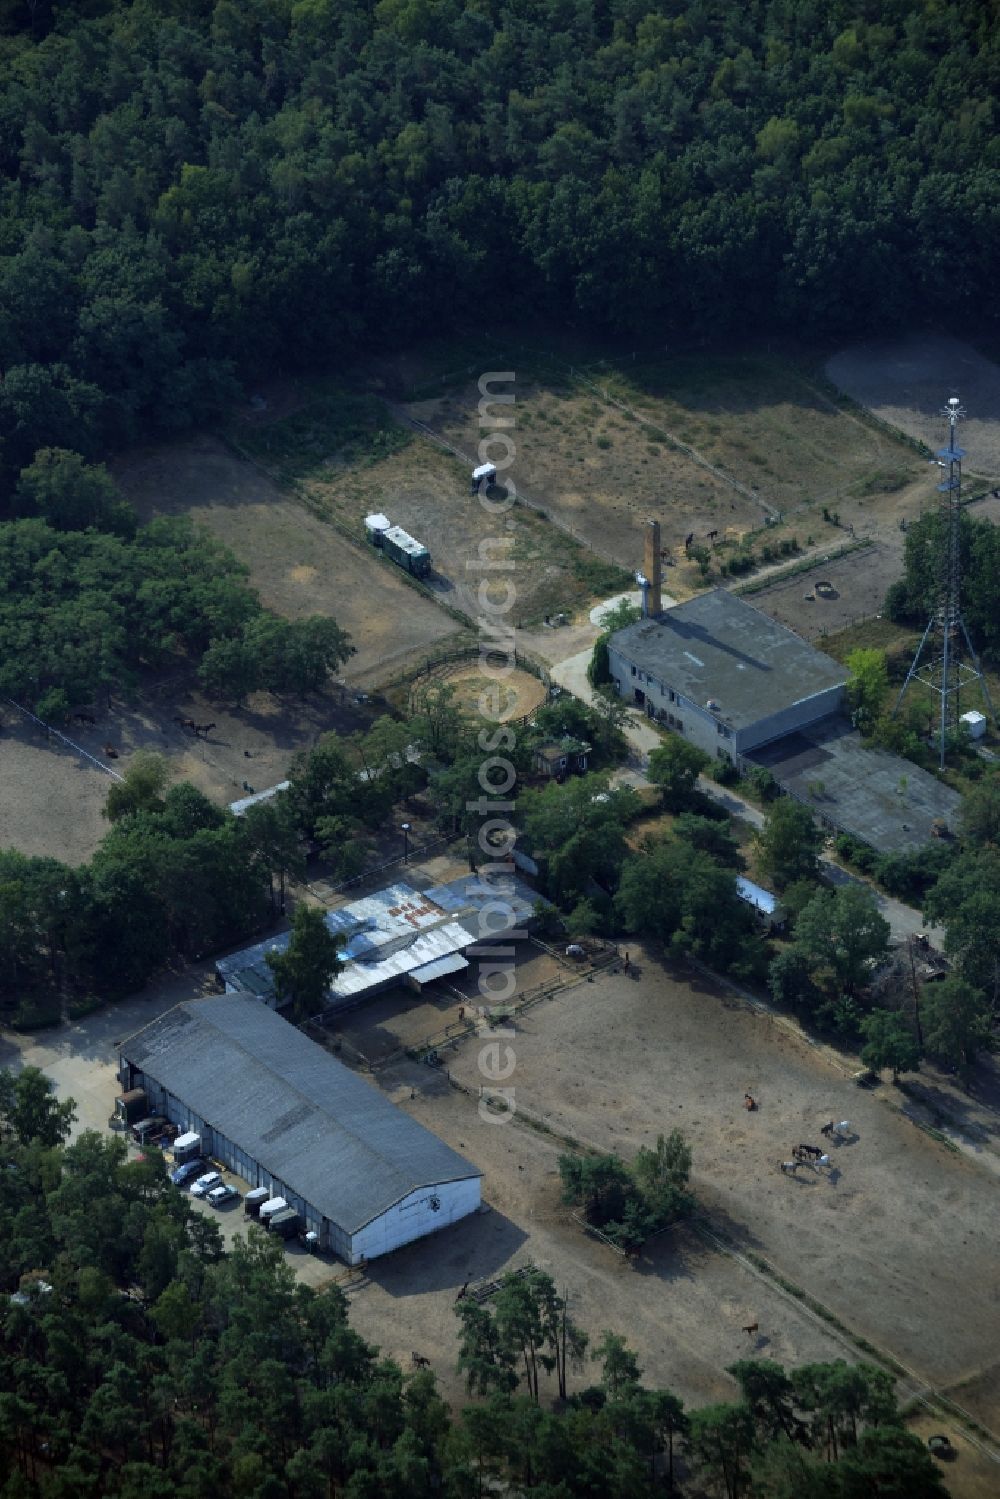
(52, 800)
(907, 381)
(897, 1238)
(520, 692)
(298, 564)
(426, 491)
(703, 443)
(860, 579)
(400, 1018)
(859, 582)
(53, 797)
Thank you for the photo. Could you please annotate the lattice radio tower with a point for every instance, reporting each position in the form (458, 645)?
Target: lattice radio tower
(940, 662)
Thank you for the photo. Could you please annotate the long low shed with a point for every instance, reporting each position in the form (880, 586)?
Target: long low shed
(282, 1113)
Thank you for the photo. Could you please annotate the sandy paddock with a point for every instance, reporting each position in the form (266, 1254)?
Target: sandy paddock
(907, 381)
(897, 1238)
(53, 797)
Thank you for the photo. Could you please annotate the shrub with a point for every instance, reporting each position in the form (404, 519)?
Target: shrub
(77, 1009)
(723, 772)
(37, 1013)
(762, 783)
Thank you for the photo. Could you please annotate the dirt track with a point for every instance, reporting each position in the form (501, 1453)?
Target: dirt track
(897, 1238)
(907, 381)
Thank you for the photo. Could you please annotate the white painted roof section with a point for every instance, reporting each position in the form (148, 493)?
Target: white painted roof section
(454, 963)
(377, 522)
(443, 942)
(484, 470)
(397, 931)
(238, 808)
(405, 541)
(756, 895)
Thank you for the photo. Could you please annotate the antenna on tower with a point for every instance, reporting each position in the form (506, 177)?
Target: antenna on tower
(940, 663)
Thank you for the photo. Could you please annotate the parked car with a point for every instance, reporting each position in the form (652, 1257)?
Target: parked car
(205, 1183)
(184, 1173)
(218, 1195)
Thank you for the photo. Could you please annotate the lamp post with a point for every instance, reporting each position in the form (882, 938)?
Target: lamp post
(405, 828)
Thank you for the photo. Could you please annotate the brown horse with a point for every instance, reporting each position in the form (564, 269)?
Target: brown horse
(111, 752)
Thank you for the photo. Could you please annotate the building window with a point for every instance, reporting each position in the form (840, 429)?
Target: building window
(680, 727)
(671, 697)
(633, 671)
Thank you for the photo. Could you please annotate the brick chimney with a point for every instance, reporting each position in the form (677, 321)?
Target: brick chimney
(652, 565)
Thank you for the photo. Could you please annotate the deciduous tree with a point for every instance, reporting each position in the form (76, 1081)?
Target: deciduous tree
(304, 971)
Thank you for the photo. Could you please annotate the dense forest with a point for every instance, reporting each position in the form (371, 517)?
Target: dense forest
(194, 192)
(138, 1360)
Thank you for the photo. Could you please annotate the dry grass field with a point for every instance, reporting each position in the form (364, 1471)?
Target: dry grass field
(907, 381)
(53, 798)
(897, 1238)
(703, 443)
(426, 491)
(298, 564)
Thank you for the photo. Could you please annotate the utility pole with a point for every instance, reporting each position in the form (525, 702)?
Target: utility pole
(940, 663)
(916, 990)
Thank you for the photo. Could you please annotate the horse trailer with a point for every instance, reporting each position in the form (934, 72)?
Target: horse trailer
(406, 551)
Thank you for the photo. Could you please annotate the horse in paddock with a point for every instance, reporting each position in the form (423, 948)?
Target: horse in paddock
(186, 723)
(751, 1329)
(419, 1362)
(789, 1168)
(811, 1152)
(204, 728)
(86, 718)
(110, 752)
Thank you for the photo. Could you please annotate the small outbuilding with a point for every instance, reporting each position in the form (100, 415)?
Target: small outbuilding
(769, 910)
(559, 758)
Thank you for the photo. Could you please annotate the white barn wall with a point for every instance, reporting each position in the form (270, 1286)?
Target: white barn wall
(413, 1217)
(410, 1219)
(700, 726)
(707, 729)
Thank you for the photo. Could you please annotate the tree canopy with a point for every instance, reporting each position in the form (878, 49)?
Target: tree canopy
(86, 611)
(200, 191)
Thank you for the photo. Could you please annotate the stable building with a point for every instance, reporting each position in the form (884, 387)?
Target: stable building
(749, 691)
(398, 935)
(282, 1113)
(723, 674)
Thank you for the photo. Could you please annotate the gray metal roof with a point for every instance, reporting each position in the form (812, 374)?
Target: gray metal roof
(878, 797)
(309, 1121)
(755, 895)
(719, 647)
(453, 963)
(393, 931)
(239, 807)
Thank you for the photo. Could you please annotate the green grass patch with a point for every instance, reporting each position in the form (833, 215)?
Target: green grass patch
(598, 577)
(333, 426)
